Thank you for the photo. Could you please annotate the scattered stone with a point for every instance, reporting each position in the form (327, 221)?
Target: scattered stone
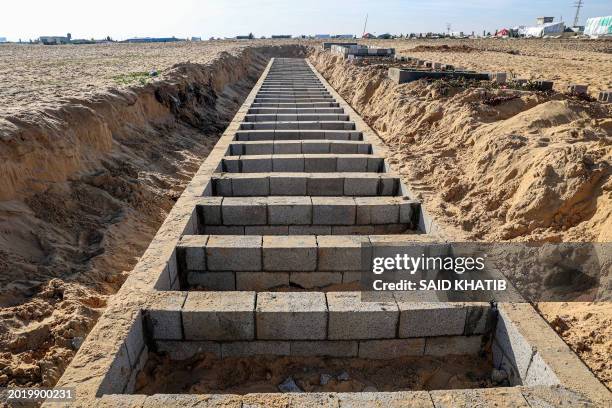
(289, 385)
(153, 73)
(325, 378)
(343, 376)
(498, 376)
(76, 342)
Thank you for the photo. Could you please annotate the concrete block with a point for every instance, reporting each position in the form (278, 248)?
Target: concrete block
(315, 279)
(288, 185)
(487, 397)
(428, 319)
(288, 163)
(256, 164)
(312, 400)
(315, 147)
(234, 253)
(513, 344)
(343, 253)
(544, 85)
(605, 96)
(403, 399)
(209, 210)
(164, 317)
(578, 89)
(324, 348)
(391, 348)
(346, 148)
(291, 253)
(183, 350)
(373, 210)
(315, 163)
(261, 281)
(258, 148)
(231, 164)
(325, 185)
(222, 186)
(375, 164)
(244, 185)
(289, 210)
(255, 348)
(452, 345)
(478, 318)
(361, 186)
(212, 280)
(539, 373)
(333, 211)
(134, 341)
(192, 249)
(266, 230)
(353, 230)
(499, 77)
(223, 230)
(244, 211)
(352, 163)
(389, 185)
(291, 316)
(219, 316)
(310, 230)
(288, 147)
(118, 373)
(350, 318)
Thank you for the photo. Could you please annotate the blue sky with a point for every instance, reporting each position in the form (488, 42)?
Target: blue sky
(121, 19)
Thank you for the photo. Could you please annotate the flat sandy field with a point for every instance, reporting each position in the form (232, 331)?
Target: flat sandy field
(92, 173)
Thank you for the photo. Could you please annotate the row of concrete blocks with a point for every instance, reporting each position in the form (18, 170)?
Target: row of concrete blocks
(300, 147)
(302, 184)
(605, 96)
(313, 163)
(306, 210)
(294, 110)
(265, 281)
(279, 91)
(247, 316)
(374, 229)
(362, 50)
(301, 99)
(295, 125)
(327, 45)
(294, 253)
(284, 117)
(296, 105)
(296, 134)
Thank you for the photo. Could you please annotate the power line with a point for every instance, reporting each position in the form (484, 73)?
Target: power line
(578, 6)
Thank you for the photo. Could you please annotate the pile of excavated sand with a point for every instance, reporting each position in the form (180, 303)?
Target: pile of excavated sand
(498, 165)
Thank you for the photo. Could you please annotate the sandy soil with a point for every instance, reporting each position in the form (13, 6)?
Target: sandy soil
(498, 165)
(207, 374)
(39, 76)
(562, 61)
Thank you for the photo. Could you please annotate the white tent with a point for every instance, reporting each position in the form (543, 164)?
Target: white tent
(542, 30)
(598, 26)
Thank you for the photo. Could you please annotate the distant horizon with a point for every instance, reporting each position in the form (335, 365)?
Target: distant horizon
(120, 20)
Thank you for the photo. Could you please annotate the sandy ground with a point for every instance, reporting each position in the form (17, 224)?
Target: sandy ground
(499, 165)
(84, 196)
(204, 374)
(562, 61)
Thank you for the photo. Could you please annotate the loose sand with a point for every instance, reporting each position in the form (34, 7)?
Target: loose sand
(90, 173)
(204, 374)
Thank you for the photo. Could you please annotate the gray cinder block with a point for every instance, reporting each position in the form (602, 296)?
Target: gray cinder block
(333, 211)
(164, 318)
(254, 348)
(324, 348)
(246, 185)
(374, 210)
(219, 316)
(343, 253)
(391, 348)
(361, 186)
(351, 318)
(315, 279)
(233, 253)
(288, 163)
(193, 249)
(325, 185)
(315, 163)
(291, 316)
(256, 164)
(212, 280)
(449, 345)
(352, 163)
(289, 210)
(244, 211)
(290, 253)
(209, 210)
(261, 281)
(288, 184)
(428, 319)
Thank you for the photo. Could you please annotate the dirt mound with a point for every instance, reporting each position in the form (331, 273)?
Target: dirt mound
(87, 185)
(443, 48)
(530, 167)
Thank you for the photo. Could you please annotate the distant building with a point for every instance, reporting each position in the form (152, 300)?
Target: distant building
(2, 39)
(322, 36)
(368, 35)
(279, 36)
(347, 36)
(153, 39)
(544, 20)
(196, 38)
(55, 40)
(598, 26)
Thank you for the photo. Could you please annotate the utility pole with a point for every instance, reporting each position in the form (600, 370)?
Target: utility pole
(448, 29)
(578, 6)
(365, 25)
